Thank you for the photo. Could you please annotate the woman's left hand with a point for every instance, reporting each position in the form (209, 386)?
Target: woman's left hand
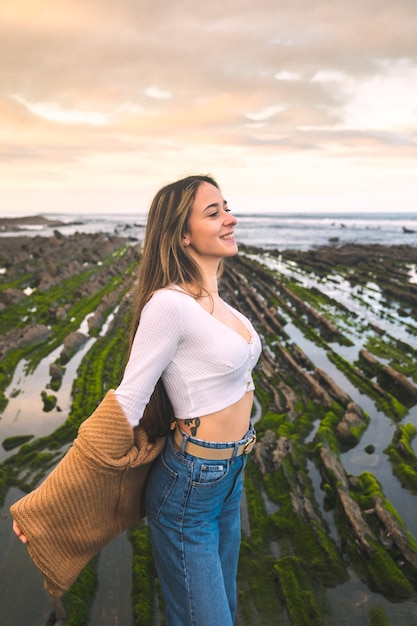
(19, 533)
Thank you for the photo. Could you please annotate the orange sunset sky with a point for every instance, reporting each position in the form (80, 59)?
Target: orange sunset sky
(301, 105)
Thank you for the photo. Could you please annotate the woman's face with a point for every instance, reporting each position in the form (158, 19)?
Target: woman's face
(210, 231)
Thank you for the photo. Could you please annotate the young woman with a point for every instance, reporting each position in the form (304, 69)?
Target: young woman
(188, 377)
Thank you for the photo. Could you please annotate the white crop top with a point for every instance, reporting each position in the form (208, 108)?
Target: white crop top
(205, 365)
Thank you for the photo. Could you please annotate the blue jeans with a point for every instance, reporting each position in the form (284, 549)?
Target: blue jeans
(193, 511)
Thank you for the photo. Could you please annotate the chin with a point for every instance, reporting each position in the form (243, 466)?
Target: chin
(233, 251)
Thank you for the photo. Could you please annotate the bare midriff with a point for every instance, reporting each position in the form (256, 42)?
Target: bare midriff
(229, 424)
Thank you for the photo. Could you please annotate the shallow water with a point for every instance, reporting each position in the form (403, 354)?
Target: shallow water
(379, 434)
(112, 604)
(24, 414)
(23, 600)
(351, 602)
(366, 303)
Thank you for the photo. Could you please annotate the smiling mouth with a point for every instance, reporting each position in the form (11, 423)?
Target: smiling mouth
(228, 237)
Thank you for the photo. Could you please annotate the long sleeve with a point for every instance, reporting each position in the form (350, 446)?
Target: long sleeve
(154, 347)
(205, 365)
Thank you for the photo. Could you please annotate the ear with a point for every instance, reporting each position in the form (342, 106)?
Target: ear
(185, 241)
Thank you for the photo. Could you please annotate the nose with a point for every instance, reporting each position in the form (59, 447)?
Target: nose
(230, 219)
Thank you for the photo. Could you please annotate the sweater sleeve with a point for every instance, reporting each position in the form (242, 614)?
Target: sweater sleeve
(153, 348)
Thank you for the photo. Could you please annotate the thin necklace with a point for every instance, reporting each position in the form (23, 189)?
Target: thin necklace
(210, 293)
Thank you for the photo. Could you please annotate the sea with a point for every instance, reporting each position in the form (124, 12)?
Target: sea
(302, 231)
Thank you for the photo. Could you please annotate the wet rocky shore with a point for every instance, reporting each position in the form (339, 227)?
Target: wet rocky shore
(331, 488)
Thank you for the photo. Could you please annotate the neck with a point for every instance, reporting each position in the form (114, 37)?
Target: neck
(209, 267)
(206, 293)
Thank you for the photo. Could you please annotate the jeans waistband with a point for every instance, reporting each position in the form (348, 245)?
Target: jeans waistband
(214, 450)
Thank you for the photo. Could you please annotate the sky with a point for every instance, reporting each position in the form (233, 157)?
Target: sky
(292, 105)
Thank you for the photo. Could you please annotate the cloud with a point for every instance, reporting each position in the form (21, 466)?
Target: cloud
(265, 114)
(131, 91)
(158, 94)
(56, 113)
(286, 75)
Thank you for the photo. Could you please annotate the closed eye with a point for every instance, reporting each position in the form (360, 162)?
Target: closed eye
(216, 213)
(213, 210)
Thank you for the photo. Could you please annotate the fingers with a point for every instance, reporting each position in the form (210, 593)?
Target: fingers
(19, 533)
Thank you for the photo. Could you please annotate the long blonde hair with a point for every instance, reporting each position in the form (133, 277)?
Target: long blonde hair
(165, 262)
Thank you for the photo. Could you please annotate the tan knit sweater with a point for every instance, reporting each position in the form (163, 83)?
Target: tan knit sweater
(93, 494)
